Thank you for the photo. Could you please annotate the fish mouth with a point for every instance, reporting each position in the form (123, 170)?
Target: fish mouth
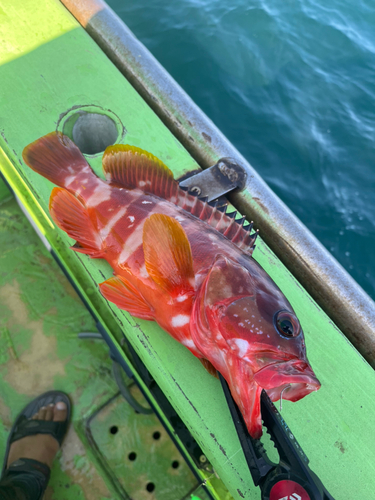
(293, 379)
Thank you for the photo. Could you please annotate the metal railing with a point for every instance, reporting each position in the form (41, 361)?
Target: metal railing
(337, 293)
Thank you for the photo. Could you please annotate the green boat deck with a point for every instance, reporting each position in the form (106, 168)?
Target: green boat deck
(110, 451)
(51, 69)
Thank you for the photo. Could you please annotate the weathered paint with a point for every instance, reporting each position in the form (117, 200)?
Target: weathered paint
(40, 317)
(333, 426)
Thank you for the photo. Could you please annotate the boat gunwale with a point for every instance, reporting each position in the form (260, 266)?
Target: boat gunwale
(328, 283)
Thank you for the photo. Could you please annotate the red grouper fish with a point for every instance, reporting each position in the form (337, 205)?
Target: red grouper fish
(182, 263)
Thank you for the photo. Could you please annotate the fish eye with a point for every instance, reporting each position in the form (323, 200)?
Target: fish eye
(287, 324)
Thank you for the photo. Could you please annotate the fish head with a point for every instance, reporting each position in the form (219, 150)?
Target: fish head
(240, 310)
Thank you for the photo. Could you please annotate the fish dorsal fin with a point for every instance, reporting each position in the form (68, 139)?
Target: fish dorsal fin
(133, 167)
(168, 257)
(226, 224)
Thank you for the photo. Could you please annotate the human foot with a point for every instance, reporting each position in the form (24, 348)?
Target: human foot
(41, 447)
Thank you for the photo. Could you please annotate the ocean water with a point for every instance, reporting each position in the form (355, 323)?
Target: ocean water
(292, 86)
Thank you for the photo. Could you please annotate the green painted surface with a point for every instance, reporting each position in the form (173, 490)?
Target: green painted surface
(64, 68)
(40, 317)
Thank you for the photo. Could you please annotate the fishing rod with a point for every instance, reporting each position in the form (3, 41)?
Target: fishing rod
(291, 478)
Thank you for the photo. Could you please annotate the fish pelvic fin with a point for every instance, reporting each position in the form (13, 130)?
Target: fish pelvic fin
(122, 293)
(132, 167)
(168, 257)
(72, 216)
(55, 157)
(209, 367)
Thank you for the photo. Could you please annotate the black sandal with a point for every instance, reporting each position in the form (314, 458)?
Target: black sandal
(24, 426)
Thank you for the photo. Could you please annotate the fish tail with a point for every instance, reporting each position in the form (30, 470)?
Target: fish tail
(55, 157)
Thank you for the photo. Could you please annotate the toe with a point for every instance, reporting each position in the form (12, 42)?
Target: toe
(42, 413)
(49, 412)
(60, 412)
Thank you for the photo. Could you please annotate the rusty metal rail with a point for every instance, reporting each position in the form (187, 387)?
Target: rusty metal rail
(337, 293)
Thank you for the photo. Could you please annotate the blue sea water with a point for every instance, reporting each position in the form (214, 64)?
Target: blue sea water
(292, 85)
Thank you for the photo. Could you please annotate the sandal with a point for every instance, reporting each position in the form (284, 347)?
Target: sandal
(24, 426)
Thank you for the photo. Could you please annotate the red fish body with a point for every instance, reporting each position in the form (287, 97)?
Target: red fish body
(181, 263)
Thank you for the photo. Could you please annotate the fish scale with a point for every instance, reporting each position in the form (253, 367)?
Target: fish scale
(183, 263)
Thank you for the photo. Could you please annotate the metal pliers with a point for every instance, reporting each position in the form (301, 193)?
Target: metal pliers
(291, 478)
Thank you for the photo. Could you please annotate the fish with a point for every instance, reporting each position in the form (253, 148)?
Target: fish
(183, 263)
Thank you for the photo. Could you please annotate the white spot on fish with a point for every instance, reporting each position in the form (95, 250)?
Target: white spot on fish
(181, 298)
(242, 346)
(141, 184)
(143, 271)
(130, 225)
(180, 320)
(268, 336)
(70, 179)
(101, 193)
(131, 218)
(71, 170)
(146, 202)
(131, 244)
(85, 181)
(241, 324)
(235, 315)
(188, 343)
(179, 218)
(106, 229)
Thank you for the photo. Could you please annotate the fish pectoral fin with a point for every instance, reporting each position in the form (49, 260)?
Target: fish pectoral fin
(122, 293)
(71, 216)
(168, 257)
(94, 254)
(133, 167)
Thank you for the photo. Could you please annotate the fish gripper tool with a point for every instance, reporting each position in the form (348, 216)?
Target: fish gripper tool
(291, 478)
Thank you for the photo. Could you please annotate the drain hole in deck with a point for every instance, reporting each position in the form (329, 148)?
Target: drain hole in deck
(113, 429)
(132, 456)
(150, 487)
(156, 435)
(93, 132)
(175, 464)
